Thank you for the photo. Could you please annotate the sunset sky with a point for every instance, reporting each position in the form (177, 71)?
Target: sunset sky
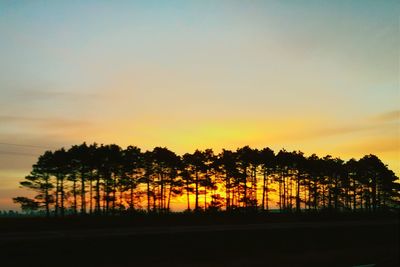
(317, 76)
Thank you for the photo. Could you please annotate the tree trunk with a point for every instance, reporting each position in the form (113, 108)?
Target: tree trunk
(98, 194)
(90, 195)
(264, 190)
(336, 195)
(57, 193)
(114, 191)
(197, 192)
(284, 193)
(83, 194)
(227, 193)
(374, 200)
(162, 192)
(255, 199)
(205, 197)
(169, 197)
(75, 197)
(354, 195)
(62, 196)
(148, 193)
(47, 197)
(298, 193)
(187, 194)
(131, 204)
(245, 187)
(280, 194)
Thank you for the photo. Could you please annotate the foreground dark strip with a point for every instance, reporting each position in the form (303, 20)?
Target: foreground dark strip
(126, 232)
(348, 243)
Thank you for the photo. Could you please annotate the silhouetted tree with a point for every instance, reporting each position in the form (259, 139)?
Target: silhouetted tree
(109, 179)
(39, 181)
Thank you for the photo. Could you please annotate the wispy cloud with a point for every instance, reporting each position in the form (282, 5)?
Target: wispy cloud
(54, 94)
(385, 144)
(313, 131)
(323, 129)
(388, 116)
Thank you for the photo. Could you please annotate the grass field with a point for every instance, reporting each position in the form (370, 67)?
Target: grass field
(208, 240)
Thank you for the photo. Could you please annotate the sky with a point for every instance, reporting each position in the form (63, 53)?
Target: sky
(317, 76)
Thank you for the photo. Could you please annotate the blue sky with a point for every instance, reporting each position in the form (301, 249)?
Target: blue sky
(318, 76)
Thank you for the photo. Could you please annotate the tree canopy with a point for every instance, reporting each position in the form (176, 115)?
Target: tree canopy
(107, 179)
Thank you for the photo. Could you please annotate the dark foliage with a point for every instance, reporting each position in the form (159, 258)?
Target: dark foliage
(106, 179)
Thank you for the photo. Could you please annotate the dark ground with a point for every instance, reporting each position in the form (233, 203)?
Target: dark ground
(207, 240)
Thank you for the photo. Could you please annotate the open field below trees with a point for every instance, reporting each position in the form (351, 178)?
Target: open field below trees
(202, 240)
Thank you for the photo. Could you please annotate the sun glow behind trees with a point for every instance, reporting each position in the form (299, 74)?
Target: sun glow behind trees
(318, 76)
(107, 179)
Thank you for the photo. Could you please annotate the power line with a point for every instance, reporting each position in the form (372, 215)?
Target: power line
(17, 153)
(20, 145)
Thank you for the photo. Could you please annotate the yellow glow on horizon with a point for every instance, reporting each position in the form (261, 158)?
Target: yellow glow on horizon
(307, 134)
(265, 74)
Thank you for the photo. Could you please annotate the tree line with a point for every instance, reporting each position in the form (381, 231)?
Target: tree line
(107, 179)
